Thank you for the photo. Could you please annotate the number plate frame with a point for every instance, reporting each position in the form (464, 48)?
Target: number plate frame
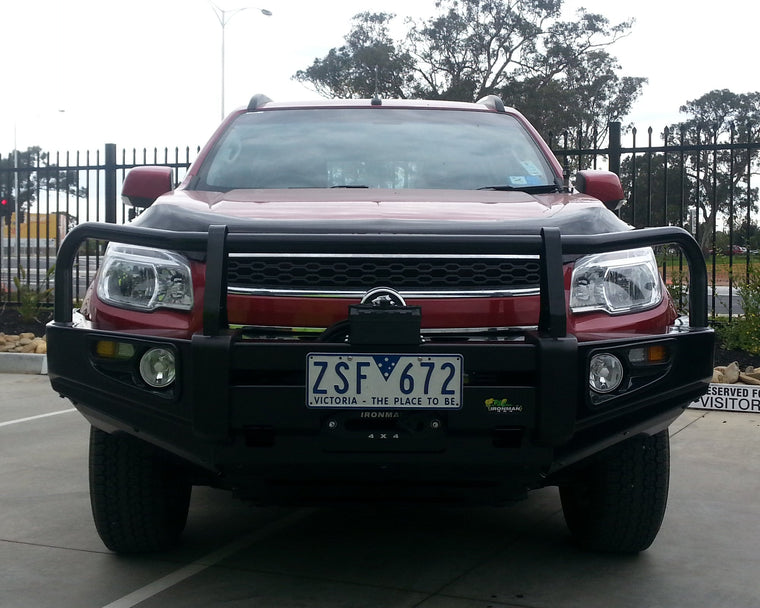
(384, 381)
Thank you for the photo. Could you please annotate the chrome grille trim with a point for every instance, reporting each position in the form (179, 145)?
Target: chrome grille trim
(516, 330)
(357, 294)
(384, 256)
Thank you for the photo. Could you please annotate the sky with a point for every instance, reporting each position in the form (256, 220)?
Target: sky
(147, 73)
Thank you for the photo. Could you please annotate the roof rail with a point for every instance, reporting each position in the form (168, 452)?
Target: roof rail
(492, 101)
(257, 101)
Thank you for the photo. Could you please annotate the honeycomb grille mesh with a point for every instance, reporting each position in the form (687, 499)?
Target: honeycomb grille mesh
(362, 273)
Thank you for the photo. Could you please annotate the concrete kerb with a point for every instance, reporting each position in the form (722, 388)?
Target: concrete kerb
(23, 363)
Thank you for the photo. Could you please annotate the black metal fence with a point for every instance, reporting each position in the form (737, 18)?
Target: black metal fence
(57, 191)
(700, 180)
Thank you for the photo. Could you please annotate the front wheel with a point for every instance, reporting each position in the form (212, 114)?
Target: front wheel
(617, 502)
(140, 497)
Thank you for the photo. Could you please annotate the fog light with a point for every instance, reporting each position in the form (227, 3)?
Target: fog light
(158, 367)
(606, 373)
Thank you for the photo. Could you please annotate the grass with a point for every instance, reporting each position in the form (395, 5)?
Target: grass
(720, 268)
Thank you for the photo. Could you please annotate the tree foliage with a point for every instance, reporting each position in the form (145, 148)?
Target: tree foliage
(746, 233)
(369, 64)
(557, 72)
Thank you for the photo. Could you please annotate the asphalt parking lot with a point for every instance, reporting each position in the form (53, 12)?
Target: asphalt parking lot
(707, 554)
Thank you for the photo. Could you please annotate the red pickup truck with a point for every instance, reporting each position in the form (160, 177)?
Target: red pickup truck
(376, 300)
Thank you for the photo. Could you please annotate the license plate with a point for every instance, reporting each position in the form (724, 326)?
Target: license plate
(384, 381)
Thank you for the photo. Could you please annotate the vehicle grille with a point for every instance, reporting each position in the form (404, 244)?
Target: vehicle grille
(327, 273)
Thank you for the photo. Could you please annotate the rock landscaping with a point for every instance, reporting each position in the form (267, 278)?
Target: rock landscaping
(731, 374)
(22, 343)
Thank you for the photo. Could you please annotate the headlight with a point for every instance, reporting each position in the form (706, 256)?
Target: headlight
(617, 282)
(145, 279)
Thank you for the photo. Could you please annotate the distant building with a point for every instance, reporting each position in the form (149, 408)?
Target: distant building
(39, 227)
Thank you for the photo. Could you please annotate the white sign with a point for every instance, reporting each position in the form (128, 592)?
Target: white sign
(730, 398)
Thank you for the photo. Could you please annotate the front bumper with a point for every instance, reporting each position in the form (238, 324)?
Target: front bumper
(238, 409)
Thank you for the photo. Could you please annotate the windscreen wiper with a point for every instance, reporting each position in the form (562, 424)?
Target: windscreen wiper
(542, 189)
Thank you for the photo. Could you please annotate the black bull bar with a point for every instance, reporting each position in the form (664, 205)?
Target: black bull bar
(211, 348)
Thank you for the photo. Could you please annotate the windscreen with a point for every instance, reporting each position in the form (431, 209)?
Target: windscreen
(375, 148)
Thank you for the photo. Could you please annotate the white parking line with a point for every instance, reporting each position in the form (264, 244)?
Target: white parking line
(176, 577)
(20, 420)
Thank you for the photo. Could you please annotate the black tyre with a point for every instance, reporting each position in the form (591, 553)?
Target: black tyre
(140, 497)
(617, 503)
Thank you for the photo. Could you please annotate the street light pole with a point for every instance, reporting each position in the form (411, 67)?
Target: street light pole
(224, 18)
(16, 197)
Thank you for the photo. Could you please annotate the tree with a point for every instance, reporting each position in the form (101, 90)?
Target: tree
(746, 233)
(369, 64)
(720, 179)
(587, 96)
(557, 72)
(36, 174)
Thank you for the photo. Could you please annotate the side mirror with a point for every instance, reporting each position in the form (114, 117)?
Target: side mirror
(603, 185)
(143, 185)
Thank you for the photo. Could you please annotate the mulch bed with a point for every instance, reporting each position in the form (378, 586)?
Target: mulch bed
(11, 322)
(724, 356)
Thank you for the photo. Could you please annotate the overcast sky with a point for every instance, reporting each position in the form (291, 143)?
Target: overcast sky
(80, 73)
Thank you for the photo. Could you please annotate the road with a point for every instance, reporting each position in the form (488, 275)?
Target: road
(236, 555)
(726, 301)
